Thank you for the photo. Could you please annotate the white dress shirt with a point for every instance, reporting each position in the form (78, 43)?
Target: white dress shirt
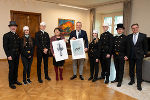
(77, 33)
(13, 32)
(135, 37)
(119, 34)
(42, 31)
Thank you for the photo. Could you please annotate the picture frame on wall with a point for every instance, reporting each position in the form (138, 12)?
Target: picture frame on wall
(77, 48)
(66, 26)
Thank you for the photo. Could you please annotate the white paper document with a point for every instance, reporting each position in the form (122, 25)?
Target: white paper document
(60, 50)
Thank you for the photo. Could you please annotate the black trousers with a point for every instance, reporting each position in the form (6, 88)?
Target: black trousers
(27, 62)
(119, 66)
(41, 55)
(94, 67)
(105, 66)
(13, 69)
(138, 63)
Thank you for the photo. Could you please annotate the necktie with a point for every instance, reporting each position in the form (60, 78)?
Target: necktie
(78, 34)
(134, 39)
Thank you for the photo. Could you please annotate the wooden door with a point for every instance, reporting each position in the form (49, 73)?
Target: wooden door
(26, 19)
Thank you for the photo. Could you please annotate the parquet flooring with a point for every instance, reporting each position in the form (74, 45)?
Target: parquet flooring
(56, 90)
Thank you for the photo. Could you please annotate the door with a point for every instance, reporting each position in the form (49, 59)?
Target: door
(26, 19)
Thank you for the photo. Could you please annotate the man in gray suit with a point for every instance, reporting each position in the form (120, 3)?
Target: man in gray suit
(78, 33)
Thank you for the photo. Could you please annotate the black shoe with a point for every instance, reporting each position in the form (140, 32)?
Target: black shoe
(139, 88)
(90, 78)
(81, 77)
(94, 80)
(18, 83)
(29, 81)
(48, 78)
(114, 81)
(107, 81)
(131, 83)
(73, 77)
(119, 84)
(25, 82)
(40, 81)
(12, 86)
(102, 77)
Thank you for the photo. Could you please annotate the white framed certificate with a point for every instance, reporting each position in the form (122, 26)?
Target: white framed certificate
(77, 48)
(60, 50)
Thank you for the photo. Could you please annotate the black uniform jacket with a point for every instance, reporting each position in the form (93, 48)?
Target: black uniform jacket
(120, 45)
(11, 44)
(93, 51)
(42, 40)
(106, 43)
(27, 50)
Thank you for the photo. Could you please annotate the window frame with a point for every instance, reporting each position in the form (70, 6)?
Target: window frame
(113, 20)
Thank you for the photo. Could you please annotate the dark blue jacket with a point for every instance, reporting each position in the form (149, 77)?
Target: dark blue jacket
(83, 35)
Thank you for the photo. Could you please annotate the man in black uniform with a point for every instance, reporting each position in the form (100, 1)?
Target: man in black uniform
(43, 45)
(11, 45)
(119, 53)
(105, 49)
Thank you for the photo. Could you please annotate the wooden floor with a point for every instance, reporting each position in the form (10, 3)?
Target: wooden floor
(52, 90)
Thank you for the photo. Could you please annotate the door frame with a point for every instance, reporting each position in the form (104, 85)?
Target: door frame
(12, 12)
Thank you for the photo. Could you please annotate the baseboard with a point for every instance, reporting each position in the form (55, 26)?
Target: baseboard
(3, 59)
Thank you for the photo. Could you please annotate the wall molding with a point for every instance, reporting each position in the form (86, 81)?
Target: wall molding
(3, 59)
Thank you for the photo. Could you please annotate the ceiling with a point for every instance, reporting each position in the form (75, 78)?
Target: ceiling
(83, 3)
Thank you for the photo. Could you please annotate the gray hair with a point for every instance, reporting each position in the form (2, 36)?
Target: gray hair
(79, 22)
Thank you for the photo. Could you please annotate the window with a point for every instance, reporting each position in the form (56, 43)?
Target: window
(109, 21)
(112, 20)
(117, 20)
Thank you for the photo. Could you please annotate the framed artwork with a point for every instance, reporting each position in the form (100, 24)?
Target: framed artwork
(60, 50)
(66, 25)
(77, 48)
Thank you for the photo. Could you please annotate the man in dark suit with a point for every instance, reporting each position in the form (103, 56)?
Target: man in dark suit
(137, 50)
(43, 45)
(105, 50)
(78, 33)
(119, 53)
(11, 45)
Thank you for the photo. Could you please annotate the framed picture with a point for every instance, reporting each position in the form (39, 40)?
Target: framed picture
(77, 48)
(66, 26)
(60, 50)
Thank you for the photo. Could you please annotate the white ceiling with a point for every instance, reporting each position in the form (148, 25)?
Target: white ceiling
(82, 3)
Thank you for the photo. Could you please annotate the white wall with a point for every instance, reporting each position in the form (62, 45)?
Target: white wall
(50, 14)
(141, 15)
(110, 8)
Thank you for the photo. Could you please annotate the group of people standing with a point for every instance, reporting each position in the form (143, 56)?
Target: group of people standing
(121, 47)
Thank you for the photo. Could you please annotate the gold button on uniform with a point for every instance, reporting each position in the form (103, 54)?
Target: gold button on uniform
(28, 51)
